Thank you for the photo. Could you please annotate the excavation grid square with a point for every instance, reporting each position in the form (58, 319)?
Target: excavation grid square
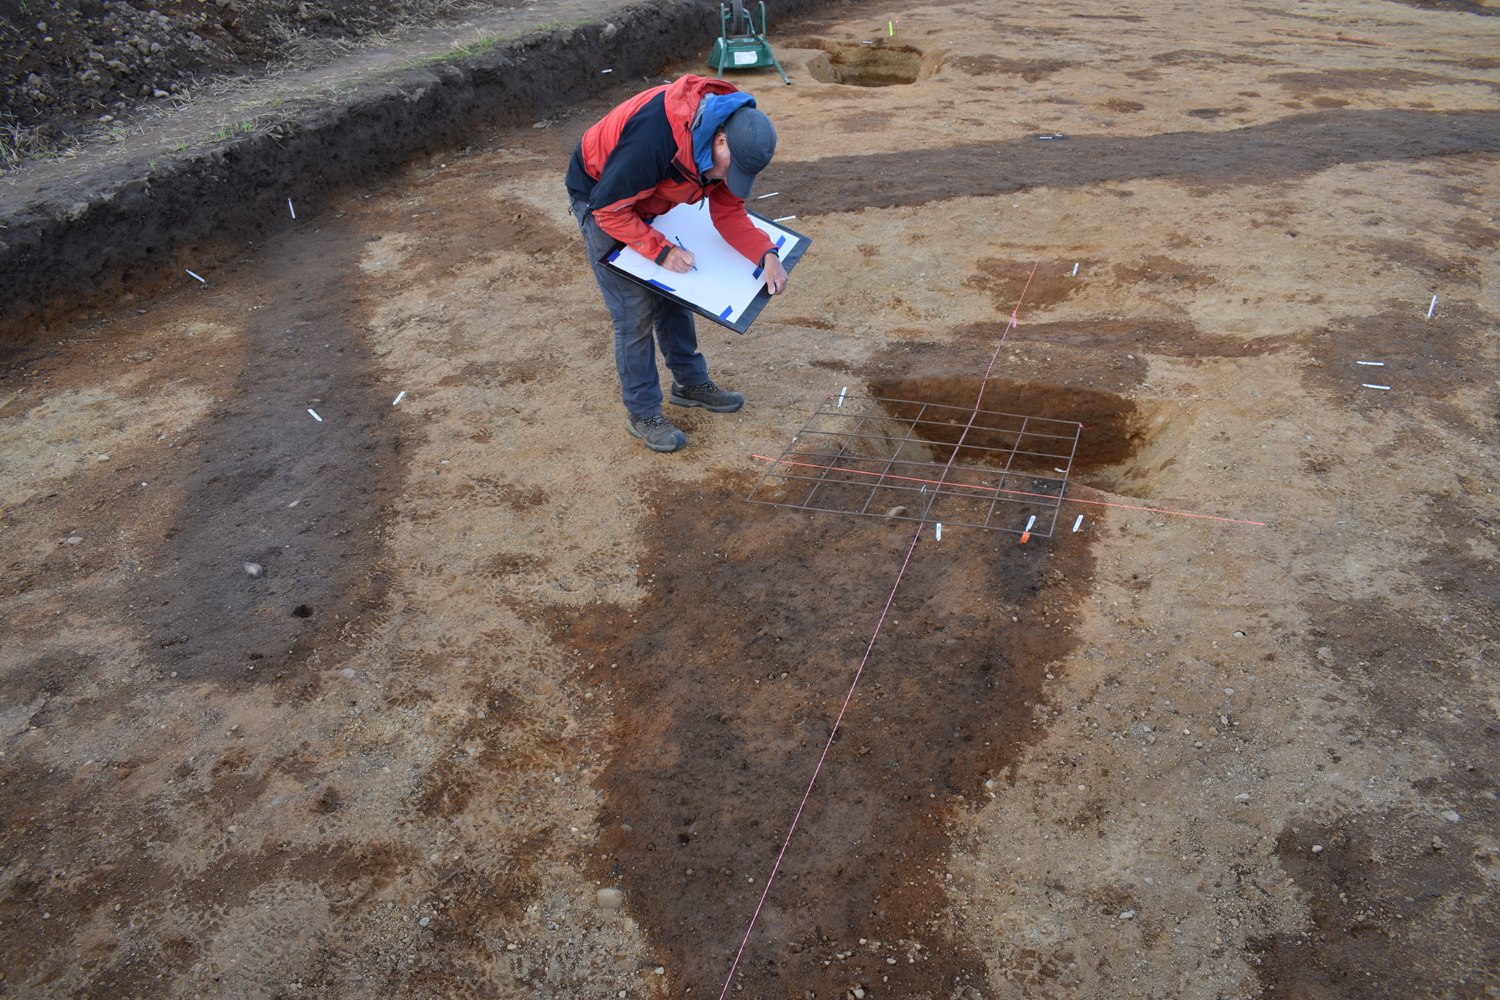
(925, 462)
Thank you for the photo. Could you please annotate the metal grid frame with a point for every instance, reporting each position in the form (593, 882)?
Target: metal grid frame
(929, 462)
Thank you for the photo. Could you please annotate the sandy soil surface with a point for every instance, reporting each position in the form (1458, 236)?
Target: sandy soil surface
(471, 695)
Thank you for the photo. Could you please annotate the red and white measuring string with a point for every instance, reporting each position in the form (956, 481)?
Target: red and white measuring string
(864, 660)
(823, 757)
(993, 489)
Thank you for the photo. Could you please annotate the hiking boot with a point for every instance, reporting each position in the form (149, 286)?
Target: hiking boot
(657, 432)
(707, 395)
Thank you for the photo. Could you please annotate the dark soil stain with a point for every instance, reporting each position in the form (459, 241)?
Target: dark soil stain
(1475, 62)
(1397, 897)
(1258, 154)
(1407, 669)
(268, 483)
(1013, 286)
(1395, 900)
(1030, 70)
(90, 847)
(452, 783)
(61, 838)
(1397, 667)
(1456, 562)
(1455, 6)
(1427, 363)
(39, 679)
(443, 189)
(1005, 281)
(1304, 84)
(1169, 338)
(1475, 235)
(1158, 270)
(1199, 57)
(720, 717)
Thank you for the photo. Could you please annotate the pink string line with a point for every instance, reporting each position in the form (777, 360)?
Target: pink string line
(859, 672)
(916, 536)
(984, 382)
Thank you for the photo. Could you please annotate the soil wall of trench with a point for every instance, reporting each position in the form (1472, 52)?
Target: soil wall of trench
(127, 226)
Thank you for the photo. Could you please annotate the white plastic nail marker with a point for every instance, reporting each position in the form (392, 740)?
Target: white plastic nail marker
(938, 531)
(1078, 523)
(1431, 307)
(1373, 364)
(196, 275)
(1371, 385)
(315, 415)
(1031, 522)
(1075, 269)
(841, 394)
(289, 208)
(399, 397)
(784, 218)
(768, 194)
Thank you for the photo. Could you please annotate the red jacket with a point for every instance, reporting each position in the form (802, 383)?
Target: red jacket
(637, 163)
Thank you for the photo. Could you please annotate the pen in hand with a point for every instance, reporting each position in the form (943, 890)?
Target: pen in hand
(685, 250)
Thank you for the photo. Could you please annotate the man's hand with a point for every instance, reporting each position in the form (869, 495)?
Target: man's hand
(775, 274)
(679, 261)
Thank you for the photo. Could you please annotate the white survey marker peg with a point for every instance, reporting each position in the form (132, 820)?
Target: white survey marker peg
(937, 531)
(842, 391)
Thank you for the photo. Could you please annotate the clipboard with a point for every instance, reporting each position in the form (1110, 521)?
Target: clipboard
(724, 287)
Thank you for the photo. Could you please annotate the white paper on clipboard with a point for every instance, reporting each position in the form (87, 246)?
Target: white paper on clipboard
(724, 285)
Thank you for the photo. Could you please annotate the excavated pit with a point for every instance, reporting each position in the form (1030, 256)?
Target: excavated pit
(868, 64)
(1123, 444)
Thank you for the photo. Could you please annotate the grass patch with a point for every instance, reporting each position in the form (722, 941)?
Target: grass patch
(489, 43)
(19, 144)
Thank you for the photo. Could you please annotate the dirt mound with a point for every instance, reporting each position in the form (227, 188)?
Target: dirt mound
(73, 65)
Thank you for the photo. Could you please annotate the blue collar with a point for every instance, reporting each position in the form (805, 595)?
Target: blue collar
(713, 111)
